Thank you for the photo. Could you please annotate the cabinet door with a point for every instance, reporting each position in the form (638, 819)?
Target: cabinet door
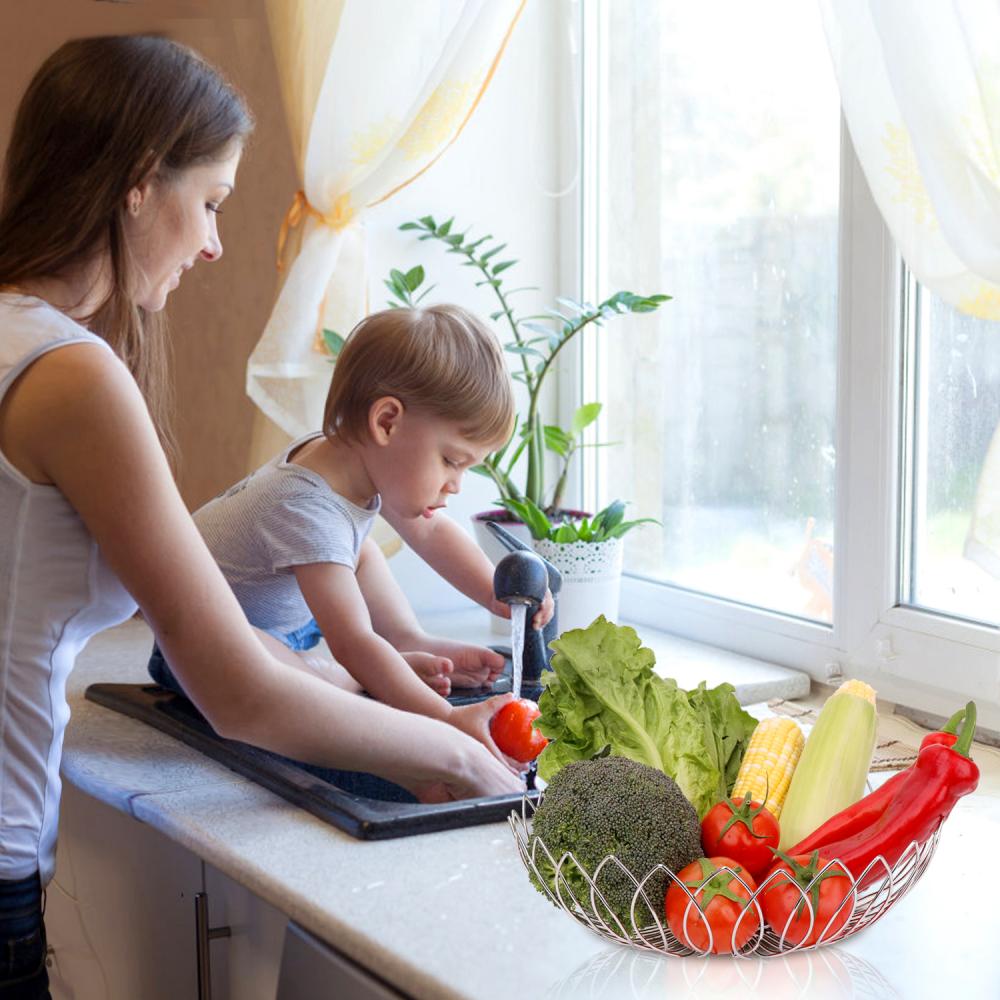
(245, 964)
(120, 910)
(311, 968)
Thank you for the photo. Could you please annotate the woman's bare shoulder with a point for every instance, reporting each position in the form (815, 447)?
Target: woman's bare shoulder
(65, 393)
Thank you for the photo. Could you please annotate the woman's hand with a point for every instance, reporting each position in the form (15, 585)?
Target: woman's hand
(467, 768)
(482, 775)
(474, 721)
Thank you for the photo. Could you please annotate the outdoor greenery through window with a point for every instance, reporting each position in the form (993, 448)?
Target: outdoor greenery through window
(718, 129)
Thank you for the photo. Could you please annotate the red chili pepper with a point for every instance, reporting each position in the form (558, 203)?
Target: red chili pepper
(920, 800)
(947, 734)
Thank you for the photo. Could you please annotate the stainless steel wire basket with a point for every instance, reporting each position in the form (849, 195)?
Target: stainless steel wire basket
(879, 887)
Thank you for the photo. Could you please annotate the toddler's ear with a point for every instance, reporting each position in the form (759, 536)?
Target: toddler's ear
(384, 416)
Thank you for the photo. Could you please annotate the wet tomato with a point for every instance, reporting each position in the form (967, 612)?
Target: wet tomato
(742, 830)
(720, 906)
(512, 731)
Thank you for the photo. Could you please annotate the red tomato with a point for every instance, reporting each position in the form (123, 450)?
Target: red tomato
(742, 830)
(512, 731)
(783, 904)
(721, 906)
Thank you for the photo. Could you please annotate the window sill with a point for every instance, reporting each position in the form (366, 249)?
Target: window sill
(686, 661)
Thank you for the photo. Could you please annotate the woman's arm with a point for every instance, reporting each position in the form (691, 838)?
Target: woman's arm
(81, 424)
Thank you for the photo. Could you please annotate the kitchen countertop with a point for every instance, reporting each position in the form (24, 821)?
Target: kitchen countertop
(453, 915)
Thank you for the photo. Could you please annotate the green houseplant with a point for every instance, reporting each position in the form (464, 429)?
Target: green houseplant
(536, 340)
(587, 551)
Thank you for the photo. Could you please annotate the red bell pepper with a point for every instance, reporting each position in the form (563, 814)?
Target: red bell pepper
(947, 734)
(906, 809)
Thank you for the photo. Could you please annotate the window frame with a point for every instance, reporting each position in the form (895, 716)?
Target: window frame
(900, 649)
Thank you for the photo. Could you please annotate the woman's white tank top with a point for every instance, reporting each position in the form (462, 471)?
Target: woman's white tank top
(55, 593)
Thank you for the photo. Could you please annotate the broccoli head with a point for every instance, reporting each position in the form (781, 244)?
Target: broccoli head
(613, 805)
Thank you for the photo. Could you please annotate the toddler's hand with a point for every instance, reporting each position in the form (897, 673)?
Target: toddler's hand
(474, 666)
(434, 671)
(544, 614)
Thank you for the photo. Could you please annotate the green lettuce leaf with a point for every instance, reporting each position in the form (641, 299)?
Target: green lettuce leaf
(604, 694)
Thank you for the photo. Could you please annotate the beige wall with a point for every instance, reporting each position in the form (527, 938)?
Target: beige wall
(219, 311)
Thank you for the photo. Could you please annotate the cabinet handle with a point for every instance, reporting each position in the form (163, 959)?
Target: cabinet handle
(203, 935)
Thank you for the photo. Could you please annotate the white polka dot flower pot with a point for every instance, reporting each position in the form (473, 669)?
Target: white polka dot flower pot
(591, 579)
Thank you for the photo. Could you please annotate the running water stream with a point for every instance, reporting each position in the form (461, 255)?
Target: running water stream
(518, 613)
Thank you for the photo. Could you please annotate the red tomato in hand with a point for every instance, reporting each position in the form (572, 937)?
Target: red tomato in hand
(806, 917)
(742, 830)
(512, 731)
(721, 906)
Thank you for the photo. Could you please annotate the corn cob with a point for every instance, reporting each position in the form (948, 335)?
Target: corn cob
(769, 762)
(834, 765)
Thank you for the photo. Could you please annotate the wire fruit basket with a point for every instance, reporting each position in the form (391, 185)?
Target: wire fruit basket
(871, 896)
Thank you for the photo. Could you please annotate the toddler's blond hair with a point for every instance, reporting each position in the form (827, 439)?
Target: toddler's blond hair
(441, 360)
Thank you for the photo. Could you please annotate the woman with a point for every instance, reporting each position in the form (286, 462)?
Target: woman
(122, 152)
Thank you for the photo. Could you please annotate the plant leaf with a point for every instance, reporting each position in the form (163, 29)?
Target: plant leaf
(334, 343)
(414, 278)
(538, 524)
(557, 440)
(585, 416)
(490, 253)
(565, 533)
(534, 327)
(523, 349)
(572, 306)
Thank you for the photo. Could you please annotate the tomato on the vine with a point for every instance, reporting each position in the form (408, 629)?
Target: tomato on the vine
(742, 830)
(513, 733)
(804, 905)
(720, 905)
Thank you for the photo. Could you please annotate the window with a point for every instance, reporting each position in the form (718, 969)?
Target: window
(806, 422)
(953, 377)
(725, 197)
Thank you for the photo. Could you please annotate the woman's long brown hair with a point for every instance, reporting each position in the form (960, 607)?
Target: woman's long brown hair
(97, 117)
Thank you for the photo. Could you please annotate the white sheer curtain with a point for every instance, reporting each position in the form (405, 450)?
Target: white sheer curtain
(920, 88)
(374, 93)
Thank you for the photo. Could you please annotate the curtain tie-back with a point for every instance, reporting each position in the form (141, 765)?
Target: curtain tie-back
(342, 215)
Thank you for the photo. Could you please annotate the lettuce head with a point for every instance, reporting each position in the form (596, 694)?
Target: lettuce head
(603, 697)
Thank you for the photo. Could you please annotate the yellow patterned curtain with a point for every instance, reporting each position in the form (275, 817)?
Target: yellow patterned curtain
(920, 88)
(374, 93)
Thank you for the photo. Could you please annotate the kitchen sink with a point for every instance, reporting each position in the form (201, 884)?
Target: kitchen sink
(363, 806)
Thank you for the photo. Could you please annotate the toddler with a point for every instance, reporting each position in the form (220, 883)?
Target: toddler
(418, 396)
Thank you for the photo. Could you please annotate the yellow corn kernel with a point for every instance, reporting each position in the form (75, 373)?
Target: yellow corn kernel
(859, 689)
(769, 763)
